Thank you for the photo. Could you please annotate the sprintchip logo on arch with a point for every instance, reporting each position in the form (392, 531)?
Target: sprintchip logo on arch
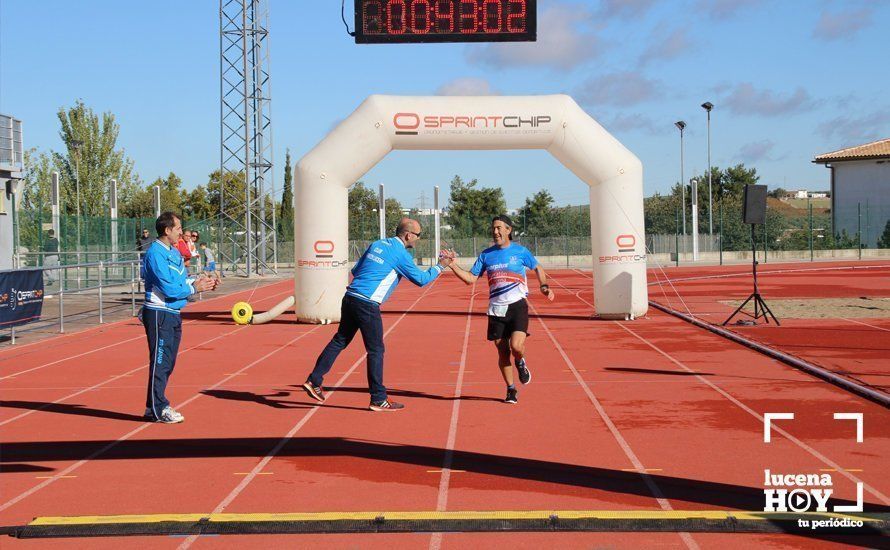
(410, 124)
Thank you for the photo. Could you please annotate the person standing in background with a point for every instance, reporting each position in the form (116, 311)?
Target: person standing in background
(51, 259)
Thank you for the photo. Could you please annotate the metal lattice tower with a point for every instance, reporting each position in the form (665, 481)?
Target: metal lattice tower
(247, 236)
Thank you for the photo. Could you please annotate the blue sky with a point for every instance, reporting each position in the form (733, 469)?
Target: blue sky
(789, 80)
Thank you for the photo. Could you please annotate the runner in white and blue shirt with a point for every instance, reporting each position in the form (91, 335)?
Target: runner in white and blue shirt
(505, 264)
(375, 276)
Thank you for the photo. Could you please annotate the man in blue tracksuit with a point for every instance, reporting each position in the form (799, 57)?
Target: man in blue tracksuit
(375, 277)
(167, 288)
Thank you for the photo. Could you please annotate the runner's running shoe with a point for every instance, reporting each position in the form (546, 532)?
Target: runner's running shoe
(525, 376)
(512, 397)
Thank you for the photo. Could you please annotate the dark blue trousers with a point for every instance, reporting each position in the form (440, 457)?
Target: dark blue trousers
(356, 314)
(164, 330)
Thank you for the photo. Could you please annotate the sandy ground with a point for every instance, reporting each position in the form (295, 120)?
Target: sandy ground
(825, 308)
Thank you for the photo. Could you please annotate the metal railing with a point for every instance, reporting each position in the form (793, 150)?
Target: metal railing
(92, 276)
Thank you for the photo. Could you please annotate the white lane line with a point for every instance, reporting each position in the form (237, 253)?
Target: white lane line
(70, 357)
(866, 324)
(293, 431)
(445, 478)
(135, 431)
(4, 356)
(775, 272)
(631, 455)
(118, 376)
(825, 460)
(62, 360)
(112, 379)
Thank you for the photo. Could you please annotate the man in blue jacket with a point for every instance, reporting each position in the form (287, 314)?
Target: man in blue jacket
(375, 277)
(167, 288)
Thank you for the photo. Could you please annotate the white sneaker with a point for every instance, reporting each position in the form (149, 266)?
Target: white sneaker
(170, 416)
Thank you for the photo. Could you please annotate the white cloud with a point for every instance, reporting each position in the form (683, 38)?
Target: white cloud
(747, 100)
(841, 25)
(856, 131)
(624, 8)
(622, 89)
(666, 45)
(634, 122)
(724, 9)
(757, 151)
(560, 45)
(466, 86)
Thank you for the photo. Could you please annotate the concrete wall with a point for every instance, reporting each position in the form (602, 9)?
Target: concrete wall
(865, 183)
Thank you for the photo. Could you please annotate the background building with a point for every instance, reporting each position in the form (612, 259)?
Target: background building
(11, 163)
(860, 189)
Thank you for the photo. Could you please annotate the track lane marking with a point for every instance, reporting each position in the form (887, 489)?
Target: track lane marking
(135, 431)
(68, 358)
(111, 325)
(625, 446)
(824, 459)
(445, 478)
(284, 440)
(115, 377)
(866, 324)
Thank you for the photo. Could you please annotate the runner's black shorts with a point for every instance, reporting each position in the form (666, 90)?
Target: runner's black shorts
(516, 320)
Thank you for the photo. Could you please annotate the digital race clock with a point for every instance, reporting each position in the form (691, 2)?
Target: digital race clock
(411, 21)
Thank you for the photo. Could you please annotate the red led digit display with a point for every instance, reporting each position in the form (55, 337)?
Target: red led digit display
(406, 21)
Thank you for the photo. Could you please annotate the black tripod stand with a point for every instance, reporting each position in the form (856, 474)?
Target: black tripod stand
(760, 307)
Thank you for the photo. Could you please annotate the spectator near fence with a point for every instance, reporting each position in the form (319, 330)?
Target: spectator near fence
(192, 241)
(51, 260)
(183, 247)
(143, 242)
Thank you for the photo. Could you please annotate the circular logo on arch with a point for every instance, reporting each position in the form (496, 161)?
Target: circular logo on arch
(324, 249)
(406, 123)
(626, 243)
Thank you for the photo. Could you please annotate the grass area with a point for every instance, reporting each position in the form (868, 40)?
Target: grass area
(817, 203)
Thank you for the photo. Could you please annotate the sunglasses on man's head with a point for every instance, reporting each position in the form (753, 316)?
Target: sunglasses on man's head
(415, 234)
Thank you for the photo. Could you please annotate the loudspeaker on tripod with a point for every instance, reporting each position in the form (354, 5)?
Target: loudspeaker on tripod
(754, 205)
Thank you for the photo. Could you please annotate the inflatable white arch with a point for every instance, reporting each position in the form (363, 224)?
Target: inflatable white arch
(383, 123)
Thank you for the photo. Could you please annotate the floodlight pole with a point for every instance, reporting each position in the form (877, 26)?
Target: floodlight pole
(707, 106)
(682, 125)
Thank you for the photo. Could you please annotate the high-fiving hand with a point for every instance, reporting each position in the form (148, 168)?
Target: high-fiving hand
(446, 257)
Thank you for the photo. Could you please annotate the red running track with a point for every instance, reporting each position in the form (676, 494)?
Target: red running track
(608, 401)
(856, 348)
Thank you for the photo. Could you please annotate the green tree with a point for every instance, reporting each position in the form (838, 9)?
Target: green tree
(362, 213)
(471, 209)
(286, 212)
(884, 240)
(197, 205)
(173, 197)
(660, 212)
(38, 169)
(537, 217)
(234, 186)
(139, 205)
(393, 210)
(91, 158)
(734, 179)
